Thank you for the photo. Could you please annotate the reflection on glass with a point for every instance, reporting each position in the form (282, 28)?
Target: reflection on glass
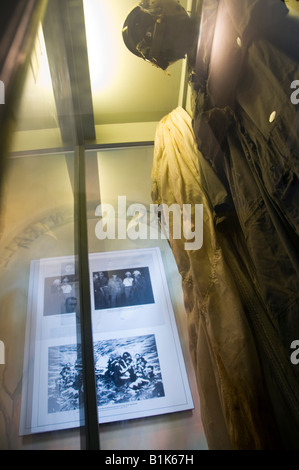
(37, 222)
(137, 313)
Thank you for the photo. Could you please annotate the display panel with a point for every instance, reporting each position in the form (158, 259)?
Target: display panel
(139, 366)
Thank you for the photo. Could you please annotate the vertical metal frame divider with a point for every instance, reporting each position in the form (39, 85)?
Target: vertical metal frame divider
(90, 426)
(83, 128)
(65, 39)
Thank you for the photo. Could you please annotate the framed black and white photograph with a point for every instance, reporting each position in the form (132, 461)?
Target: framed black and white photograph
(64, 379)
(127, 370)
(139, 366)
(122, 288)
(60, 295)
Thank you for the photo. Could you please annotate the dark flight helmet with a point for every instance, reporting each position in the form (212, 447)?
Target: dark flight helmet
(147, 27)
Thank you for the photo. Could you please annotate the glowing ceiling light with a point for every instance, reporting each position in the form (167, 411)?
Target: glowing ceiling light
(101, 44)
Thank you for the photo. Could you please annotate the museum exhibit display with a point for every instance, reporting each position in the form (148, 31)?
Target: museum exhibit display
(149, 226)
(139, 365)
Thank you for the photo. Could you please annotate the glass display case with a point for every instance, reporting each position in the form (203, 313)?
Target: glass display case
(87, 294)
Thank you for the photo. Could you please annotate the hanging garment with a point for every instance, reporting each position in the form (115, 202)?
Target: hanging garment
(247, 128)
(234, 402)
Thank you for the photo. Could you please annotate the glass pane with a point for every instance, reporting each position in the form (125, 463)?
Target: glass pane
(40, 370)
(37, 126)
(38, 305)
(146, 387)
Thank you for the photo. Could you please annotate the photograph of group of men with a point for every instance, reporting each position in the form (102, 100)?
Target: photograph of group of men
(127, 370)
(123, 287)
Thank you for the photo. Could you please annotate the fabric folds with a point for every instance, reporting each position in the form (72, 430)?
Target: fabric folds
(234, 402)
